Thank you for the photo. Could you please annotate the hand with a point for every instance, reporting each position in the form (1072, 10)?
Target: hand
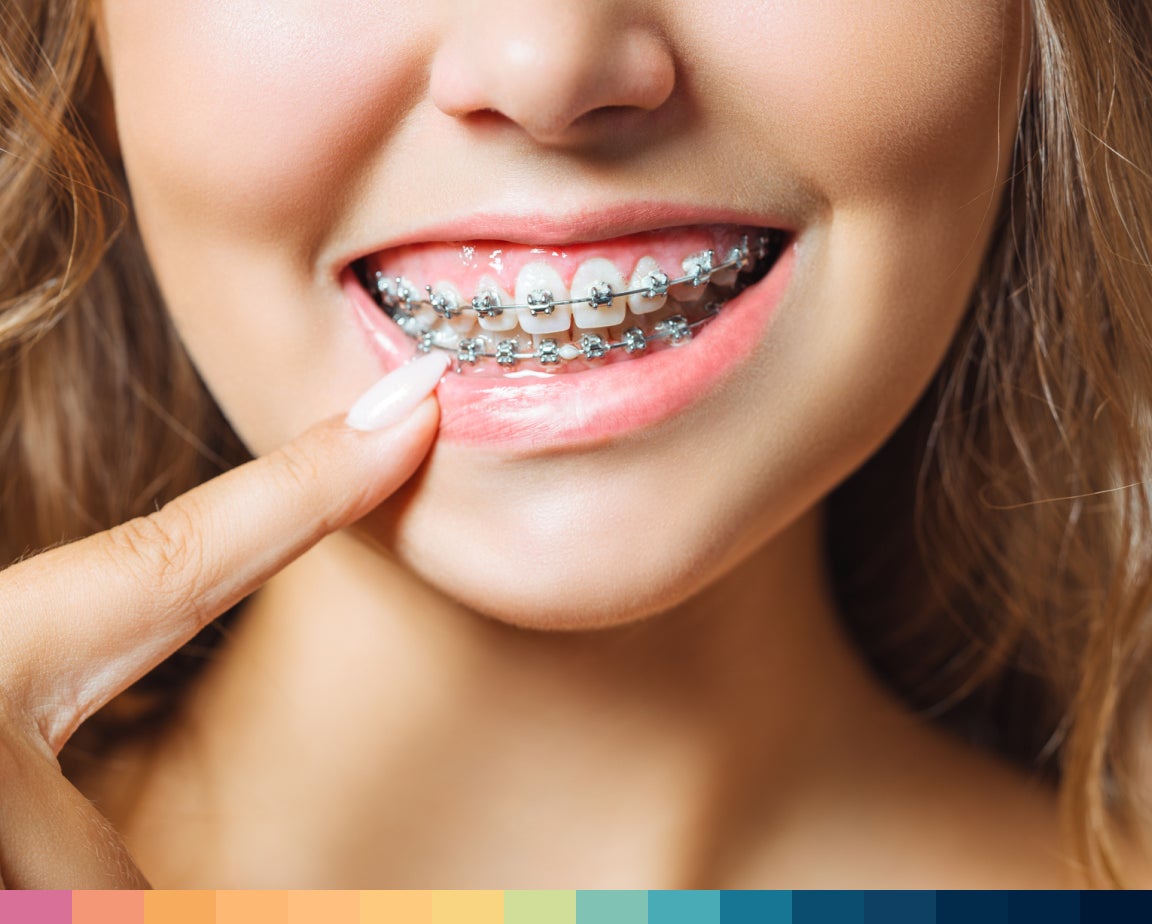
(83, 621)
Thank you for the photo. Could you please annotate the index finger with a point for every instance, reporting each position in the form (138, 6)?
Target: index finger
(84, 620)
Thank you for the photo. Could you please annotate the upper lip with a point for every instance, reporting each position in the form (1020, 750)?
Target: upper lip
(553, 229)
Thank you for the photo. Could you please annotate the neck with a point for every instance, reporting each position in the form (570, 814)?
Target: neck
(390, 704)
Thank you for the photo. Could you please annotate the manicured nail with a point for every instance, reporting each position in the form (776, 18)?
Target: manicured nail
(396, 395)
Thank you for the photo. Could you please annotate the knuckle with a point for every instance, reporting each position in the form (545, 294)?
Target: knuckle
(298, 468)
(300, 473)
(19, 739)
(162, 551)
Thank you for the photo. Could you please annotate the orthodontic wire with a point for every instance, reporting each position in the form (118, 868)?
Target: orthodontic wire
(739, 258)
(674, 329)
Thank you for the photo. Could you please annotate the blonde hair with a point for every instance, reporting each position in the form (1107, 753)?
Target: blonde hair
(1030, 624)
(102, 415)
(1015, 498)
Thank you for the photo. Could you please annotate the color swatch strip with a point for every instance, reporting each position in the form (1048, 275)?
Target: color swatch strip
(572, 907)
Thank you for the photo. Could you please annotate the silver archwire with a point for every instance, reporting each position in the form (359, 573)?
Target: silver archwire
(402, 300)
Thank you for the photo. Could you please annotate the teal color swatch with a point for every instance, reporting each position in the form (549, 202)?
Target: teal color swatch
(683, 907)
(606, 907)
(762, 907)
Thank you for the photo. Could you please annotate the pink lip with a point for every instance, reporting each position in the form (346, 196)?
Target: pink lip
(592, 224)
(536, 412)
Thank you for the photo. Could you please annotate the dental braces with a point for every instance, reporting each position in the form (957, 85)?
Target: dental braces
(397, 295)
(674, 330)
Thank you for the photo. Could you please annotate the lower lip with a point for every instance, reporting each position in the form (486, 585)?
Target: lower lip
(528, 412)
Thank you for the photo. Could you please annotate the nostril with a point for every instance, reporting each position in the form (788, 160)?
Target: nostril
(485, 117)
(608, 113)
(608, 118)
(556, 82)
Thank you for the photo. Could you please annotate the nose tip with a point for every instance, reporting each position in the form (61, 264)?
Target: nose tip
(548, 70)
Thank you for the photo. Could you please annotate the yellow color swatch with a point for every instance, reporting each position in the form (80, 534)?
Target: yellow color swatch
(473, 907)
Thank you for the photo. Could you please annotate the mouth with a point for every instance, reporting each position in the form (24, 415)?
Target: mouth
(498, 307)
(571, 346)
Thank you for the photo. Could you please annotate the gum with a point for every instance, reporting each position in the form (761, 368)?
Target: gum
(463, 263)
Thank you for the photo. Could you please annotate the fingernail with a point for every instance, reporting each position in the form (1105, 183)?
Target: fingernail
(396, 395)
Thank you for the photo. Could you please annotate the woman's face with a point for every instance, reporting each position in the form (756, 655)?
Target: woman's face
(276, 150)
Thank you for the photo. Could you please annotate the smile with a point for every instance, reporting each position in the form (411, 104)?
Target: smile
(582, 305)
(579, 375)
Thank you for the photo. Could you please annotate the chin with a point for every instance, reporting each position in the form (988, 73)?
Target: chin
(587, 557)
(600, 594)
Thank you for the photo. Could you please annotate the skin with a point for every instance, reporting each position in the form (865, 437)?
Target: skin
(366, 726)
(264, 147)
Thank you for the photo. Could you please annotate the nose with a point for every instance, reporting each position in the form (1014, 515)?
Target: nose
(555, 68)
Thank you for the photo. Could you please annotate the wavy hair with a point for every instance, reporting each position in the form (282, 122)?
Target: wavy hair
(102, 415)
(1010, 591)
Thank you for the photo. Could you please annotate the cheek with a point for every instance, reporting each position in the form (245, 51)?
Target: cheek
(901, 113)
(877, 99)
(244, 127)
(243, 115)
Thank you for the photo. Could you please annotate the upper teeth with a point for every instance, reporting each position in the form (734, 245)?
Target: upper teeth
(488, 303)
(699, 267)
(649, 286)
(600, 280)
(544, 304)
(598, 302)
(540, 287)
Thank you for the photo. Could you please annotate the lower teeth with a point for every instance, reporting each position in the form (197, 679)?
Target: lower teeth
(551, 352)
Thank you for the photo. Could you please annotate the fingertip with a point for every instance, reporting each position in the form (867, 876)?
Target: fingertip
(396, 395)
(387, 457)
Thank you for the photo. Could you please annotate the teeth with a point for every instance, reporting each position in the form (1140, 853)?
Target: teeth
(439, 317)
(649, 276)
(634, 340)
(598, 279)
(408, 299)
(469, 349)
(489, 295)
(506, 351)
(593, 346)
(395, 290)
(539, 285)
(445, 337)
(675, 329)
(687, 294)
(447, 305)
(548, 352)
(698, 266)
(727, 277)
